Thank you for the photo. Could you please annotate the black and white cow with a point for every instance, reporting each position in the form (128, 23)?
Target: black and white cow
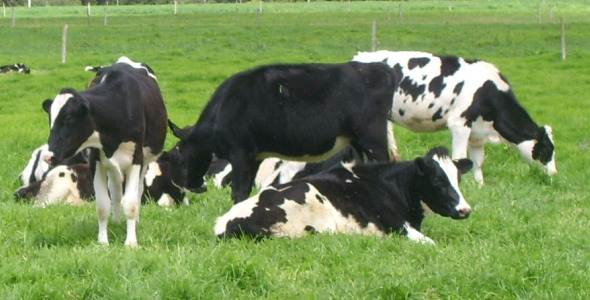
(470, 98)
(72, 184)
(122, 117)
(369, 198)
(36, 168)
(304, 112)
(19, 68)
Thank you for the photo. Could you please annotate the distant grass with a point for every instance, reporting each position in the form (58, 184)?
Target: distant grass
(525, 239)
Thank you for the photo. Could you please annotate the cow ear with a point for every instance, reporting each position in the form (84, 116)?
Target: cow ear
(84, 106)
(422, 165)
(47, 105)
(463, 165)
(182, 134)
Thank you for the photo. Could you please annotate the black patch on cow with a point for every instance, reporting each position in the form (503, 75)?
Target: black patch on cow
(61, 174)
(543, 149)
(453, 101)
(310, 229)
(437, 85)
(458, 88)
(412, 88)
(402, 112)
(437, 115)
(418, 62)
(449, 65)
(431, 105)
(471, 61)
(73, 177)
(319, 198)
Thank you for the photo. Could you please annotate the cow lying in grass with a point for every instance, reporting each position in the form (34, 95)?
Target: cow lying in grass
(470, 98)
(369, 198)
(72, 184)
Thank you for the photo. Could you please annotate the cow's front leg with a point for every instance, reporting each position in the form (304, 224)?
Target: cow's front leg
(243, 173)
(131, 202)
(414, 235)
(103, 203)
(391, 144)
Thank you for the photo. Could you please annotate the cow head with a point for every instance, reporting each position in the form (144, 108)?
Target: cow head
(193, 159)
(544, 150)
(71, 125)
(439, 184)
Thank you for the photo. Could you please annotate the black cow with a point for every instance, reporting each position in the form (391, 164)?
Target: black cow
(370, 198)
(122, 117)
(304, 112)
(19, 68)
(470, 98)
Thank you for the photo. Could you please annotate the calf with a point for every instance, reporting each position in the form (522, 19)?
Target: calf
(304, 112)
(73, 184)
(372, 199)
(36, 168)
(19, 68)
(122, 117)
(470, 98)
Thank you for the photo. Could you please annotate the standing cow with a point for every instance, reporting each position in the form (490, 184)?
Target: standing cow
(123, 118)
(305, 112)
(470, 98)
(370, 198)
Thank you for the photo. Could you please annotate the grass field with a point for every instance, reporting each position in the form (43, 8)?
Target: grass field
(526, 238)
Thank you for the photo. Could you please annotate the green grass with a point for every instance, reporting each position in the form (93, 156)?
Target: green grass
(526, 237)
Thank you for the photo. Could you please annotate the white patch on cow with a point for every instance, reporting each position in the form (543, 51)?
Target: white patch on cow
(58, 188)
(166, 201)
(126, 60)
(218, 179)
(416, 236)
(348, 166)
(526, 149)
(340, 143)
(289, 169)
(153, 171)
(449, 168)
(321, 215)
(267, 172)
(58, 103)
(242, 209)
(36, 166)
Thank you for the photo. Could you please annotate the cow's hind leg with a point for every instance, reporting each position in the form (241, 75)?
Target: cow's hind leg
(244, 171)
(476, 154)
(131, 201)
(103, 203)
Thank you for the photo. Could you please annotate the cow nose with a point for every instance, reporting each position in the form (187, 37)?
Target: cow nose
(464, 211)
(48, 157)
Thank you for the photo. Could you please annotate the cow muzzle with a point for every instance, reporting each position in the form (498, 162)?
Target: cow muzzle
(49, 158)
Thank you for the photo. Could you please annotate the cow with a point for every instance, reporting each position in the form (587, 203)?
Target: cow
(274, 171)
(470, 98)
(36, 168)
(302, 112)
(122, 117)
(72, 184)
(19, 68)
(375, 198)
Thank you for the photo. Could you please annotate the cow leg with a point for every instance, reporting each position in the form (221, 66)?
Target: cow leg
(244, 171)
(116, 192)
(415, 235)
(476, 154)
(391, 144)
(460, 137)
(131, 201)
(103, 202)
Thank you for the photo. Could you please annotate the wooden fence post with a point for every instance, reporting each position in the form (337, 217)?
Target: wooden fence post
(175, 7)
(13, 17)
(563, 53)
(64, 42)
(106, 14)
(374, 36)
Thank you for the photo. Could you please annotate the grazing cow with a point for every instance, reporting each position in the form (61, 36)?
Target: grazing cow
(274, 171)
(122, 117)
(37, 168)
(19, 68)
(370, 198)
(72, 184)
(470, 98)
(304, 112)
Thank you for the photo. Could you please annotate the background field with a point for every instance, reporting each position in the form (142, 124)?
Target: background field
(526, 238)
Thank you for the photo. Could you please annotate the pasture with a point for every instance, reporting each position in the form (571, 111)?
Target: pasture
(527, 237)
